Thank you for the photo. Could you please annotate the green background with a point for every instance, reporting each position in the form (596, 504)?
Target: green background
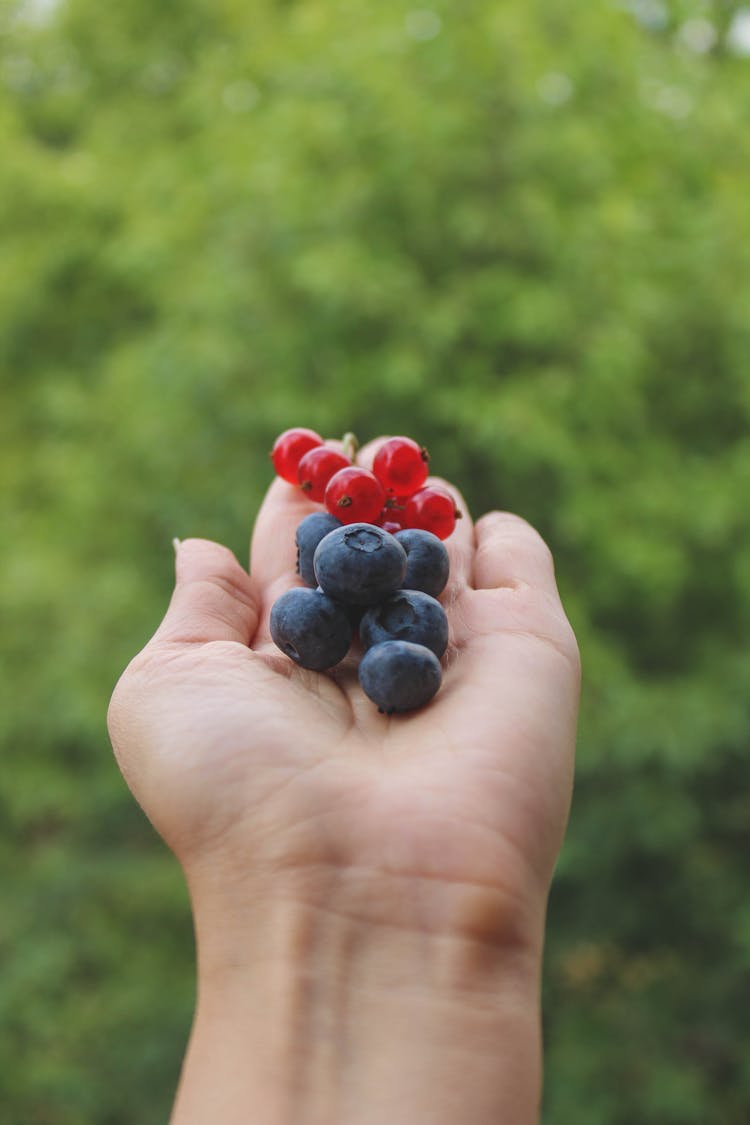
(519, 232)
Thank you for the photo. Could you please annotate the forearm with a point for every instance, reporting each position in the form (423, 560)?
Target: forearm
(316, 1018)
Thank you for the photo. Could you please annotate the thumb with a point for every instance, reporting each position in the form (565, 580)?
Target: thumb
(214, 598)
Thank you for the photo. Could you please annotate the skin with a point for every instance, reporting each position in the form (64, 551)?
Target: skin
(354, 875)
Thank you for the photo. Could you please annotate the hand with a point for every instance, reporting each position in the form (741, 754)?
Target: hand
(275, 785)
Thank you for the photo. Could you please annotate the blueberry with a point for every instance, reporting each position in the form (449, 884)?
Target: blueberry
(399, 676)
(427, 564)
(310, 628)
(408, 615)
(309, 533)
(359, 564)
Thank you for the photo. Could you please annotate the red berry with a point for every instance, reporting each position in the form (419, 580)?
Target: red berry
(401, 466)
(431, 509)
(354, 495)
(316, 469)
(289, 447)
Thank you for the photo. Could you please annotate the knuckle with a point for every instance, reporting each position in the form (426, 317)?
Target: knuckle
(233, 582)
(555, 629)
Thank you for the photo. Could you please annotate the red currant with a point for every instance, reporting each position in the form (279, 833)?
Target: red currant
(401, 466)
(289, 447)
(354, 495)
(431, 509)
(316, 469)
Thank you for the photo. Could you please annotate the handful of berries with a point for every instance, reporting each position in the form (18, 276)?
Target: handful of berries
(373, 561)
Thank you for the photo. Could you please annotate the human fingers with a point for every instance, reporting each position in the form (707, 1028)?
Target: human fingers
(514, 589)
(510, 553)
(214, 599)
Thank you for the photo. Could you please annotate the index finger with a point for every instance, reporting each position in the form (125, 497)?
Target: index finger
(273, 550)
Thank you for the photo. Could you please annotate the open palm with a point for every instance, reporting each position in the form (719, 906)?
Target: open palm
(240, 757)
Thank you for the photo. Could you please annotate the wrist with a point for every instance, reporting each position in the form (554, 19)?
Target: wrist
(365, 1010)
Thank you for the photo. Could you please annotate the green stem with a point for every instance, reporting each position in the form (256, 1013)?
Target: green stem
(351, 445)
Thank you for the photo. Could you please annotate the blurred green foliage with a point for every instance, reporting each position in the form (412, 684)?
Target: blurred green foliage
(519, 232)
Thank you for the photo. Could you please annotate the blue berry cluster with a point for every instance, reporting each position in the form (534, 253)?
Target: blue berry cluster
(359, 577)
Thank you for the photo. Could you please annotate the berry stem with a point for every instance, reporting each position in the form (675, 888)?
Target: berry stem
(351, 445)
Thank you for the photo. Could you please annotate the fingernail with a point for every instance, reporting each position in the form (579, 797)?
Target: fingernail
(175, 544)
